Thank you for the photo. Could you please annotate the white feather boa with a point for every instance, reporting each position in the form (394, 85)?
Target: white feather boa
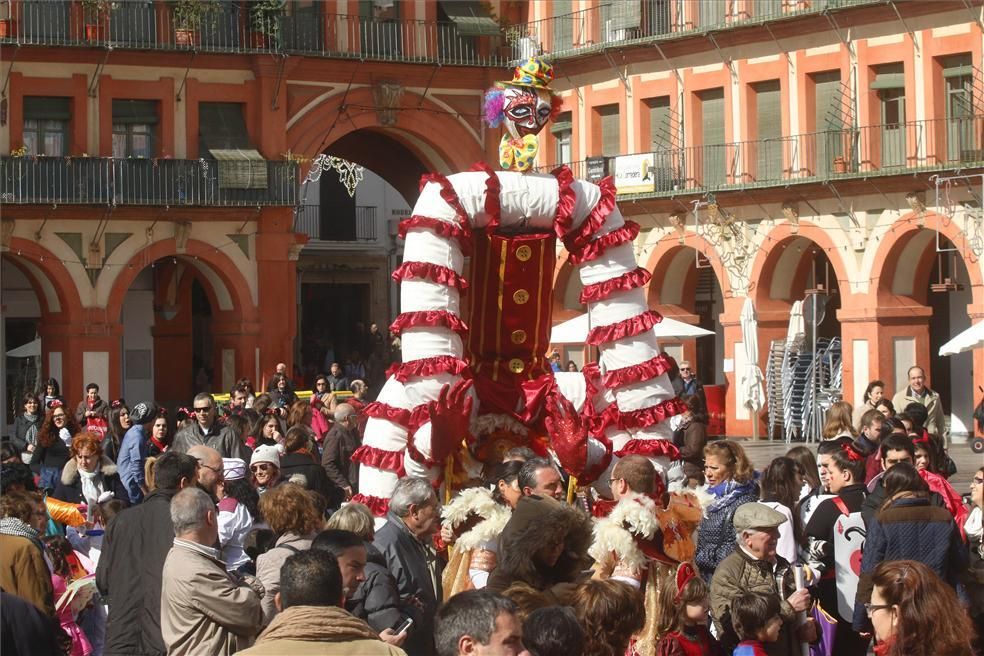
(633, 516)
(476, 501)
(704, 498)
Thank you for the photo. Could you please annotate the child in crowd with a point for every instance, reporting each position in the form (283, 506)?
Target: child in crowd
(65, 568)
(757, 620)
(684, 601)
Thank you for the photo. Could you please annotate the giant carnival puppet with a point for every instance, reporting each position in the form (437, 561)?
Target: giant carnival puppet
(472, 385)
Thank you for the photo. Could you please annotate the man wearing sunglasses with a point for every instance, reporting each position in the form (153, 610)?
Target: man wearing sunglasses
(208, 431)
(690, 383)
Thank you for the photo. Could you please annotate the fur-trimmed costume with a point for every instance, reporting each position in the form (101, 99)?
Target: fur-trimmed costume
(474, 554)
(537, 521)
(639, 543)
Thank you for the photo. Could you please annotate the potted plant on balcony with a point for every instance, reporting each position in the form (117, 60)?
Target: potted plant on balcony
(189, 16)
(95, 14)
(264, 19)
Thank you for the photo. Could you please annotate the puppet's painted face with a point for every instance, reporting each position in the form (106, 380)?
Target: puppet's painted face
(527, 110)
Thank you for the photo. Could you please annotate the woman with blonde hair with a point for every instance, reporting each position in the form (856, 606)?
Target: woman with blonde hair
(839, 422)
(731, 481)
(377, 599)
(292, 515)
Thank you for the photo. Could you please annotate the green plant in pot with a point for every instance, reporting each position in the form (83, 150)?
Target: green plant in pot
(190, 16)
(264, 18)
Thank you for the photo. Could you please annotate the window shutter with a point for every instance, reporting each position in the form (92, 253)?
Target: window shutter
(610, 130)
(221, 126)
(660, 129)
(827, 111)
(889, 76)
(135, 111)
(768, 101)
(563, 28)
(44, 108)
(712, 116)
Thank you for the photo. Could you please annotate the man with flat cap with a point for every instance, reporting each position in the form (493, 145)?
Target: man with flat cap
(756, 567)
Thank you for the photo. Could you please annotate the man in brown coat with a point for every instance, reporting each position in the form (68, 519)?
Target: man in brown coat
(204, 608)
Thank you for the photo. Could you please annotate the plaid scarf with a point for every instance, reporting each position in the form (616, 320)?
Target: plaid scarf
(18, 528)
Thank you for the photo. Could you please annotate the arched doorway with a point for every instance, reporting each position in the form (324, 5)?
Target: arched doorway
(927, 273)
(685, 287)
(22, 311)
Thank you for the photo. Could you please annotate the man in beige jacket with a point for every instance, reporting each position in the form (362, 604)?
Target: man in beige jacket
(204, 608)
(311, 618)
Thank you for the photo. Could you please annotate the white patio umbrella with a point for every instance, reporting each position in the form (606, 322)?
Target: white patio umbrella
(968, 340)
(29, 350)
(575, 331)
(797, 328)
(751, 377)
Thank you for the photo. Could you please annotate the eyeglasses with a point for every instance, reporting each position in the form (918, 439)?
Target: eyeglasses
(870, 608)
(612, 480)
(217, 470)
(205, 409)
(61, 416)
(684, 368)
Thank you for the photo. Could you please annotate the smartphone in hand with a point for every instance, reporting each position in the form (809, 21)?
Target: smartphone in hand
(403, 626)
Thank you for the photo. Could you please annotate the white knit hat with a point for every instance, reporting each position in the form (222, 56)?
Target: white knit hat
(265, 453)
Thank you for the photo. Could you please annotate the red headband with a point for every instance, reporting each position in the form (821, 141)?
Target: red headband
(183, 410)
(55, 403)
(684, 574)
(118, 403)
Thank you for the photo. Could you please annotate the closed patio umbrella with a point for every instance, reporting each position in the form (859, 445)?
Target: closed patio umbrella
(751, 376)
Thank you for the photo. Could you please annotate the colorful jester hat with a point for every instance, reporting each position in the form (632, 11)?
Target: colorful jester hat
(525, 104)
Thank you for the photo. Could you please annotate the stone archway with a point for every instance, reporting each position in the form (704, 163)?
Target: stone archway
(905, 266)
(153, 299)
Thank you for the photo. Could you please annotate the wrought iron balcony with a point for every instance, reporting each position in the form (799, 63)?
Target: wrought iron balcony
(238, 28)
(867, 151)
(328, 227)
(161, 182)
(629, 22)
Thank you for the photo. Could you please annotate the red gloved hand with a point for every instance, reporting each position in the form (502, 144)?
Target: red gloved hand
(450, 417)
(567, 433)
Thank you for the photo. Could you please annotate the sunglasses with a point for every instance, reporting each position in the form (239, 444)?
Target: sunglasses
(260, 467)
(205, 409)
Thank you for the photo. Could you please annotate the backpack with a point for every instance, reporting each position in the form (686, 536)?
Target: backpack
(849, 536)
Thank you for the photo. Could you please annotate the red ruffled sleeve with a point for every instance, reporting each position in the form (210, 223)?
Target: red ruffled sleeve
(599, 291)
(380, 459)
(434, 272)
(652, 415)
(627, 328)
(438, 227)
(593, 250)
(377, 505)
(565, 201)
(650, 448)
(429, 318)
(380, 410)
(450, 197)
(492, 189)
(439, 364)
(580, 237)
(638, 372)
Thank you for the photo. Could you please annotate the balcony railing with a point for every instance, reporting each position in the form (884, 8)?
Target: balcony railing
(171, 182)
(868, 151)
(329, 227)
(624, 22)
(232, 27)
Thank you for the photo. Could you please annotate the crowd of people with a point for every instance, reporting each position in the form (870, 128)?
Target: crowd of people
(237, 528)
